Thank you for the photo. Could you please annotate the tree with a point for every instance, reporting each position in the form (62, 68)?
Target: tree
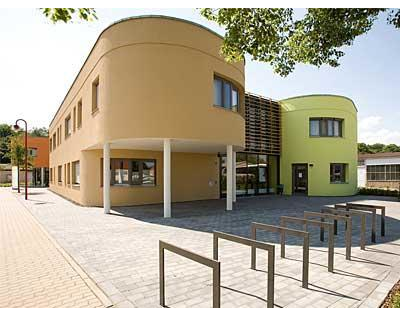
(16, 151)
(66, 14)
(363, 148)
(391, 148)
(5, 133)
(39, 132)
(275, 37)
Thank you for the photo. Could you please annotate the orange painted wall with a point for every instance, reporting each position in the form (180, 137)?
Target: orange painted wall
(42, 145)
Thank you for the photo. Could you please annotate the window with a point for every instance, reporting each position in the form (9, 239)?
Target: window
(51, 175)
(74, 119)
(51, 144)
(326, 127)
(79, 125)
(76, 173)
(338, 172)
(383, 173)
(59, 174)
(68, 176)
(226, 94)
(32, 152)
(54, 141)
(68, 126)
(133, 172)
(95, 95)
(59, 134)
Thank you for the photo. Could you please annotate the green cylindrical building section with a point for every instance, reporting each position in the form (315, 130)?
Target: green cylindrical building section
(319, 145)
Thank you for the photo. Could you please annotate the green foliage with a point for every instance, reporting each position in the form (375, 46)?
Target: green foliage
(16, 151)
(39, 132)
(5, 185)
(378, 191)
(5, 134)
(275, 37)
(377, 148)
(66, 14)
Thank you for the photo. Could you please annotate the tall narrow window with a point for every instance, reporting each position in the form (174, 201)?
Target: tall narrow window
(76, 173)
(59, 174)
(54, 141)
(68, 126)
(314, 127)
(217, 92)
(68, 178)
(95, 95)
(79, 125)
(74, 120)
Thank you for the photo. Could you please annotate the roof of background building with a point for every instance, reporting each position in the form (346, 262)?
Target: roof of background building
(379, 155)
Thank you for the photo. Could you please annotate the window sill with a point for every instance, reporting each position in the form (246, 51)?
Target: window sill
(95, 111)
(224, 108)
(133, 185)
(311, 136)
(339, 182)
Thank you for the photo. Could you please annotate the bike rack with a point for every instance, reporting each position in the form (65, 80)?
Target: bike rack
(283, 231)
(215, 265)
(252, 243)
(345, 219)
(305, 223)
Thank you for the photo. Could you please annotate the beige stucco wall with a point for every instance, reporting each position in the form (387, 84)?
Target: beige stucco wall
(156, 81)
(193, 177)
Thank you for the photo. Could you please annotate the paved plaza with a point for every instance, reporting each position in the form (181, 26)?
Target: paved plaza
(33, 270)
(119, 252)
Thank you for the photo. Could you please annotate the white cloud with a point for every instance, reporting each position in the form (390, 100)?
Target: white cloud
(371, 130)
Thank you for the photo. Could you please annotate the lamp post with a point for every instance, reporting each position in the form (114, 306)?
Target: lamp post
(16, 127)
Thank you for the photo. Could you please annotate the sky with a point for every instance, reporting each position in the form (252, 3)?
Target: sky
(39, 61)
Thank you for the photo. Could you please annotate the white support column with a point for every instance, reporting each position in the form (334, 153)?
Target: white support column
(106, 178)
(234, 176)
(167, 178)
(42, 176)
(229, 178)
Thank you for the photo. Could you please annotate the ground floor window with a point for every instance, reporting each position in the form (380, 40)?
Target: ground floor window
(383, 173)
(338, 172)
(59, 174)
(133, 172)
(255, 173)
(76, 173)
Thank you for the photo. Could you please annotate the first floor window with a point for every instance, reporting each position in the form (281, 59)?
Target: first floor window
(76, 173)
(226, 94)
(338, 172)
(68, 126)
(133, 172)
(326, 127)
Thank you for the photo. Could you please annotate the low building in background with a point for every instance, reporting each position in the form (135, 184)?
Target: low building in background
(380, 170)
(38, 175)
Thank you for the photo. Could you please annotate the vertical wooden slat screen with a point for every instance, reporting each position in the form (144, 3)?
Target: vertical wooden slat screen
(263, 125)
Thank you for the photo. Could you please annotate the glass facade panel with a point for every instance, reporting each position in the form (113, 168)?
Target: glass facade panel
(227, 94)
(149, 173)
(314, 127)
(241, 174)
(262, 174)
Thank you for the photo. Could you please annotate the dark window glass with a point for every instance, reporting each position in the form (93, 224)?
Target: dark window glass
(226, 94)
(338, 172)
(133, 172)
(326, 127)
(136, 173)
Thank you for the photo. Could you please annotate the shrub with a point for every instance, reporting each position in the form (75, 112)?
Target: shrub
(378, 191)
(3, 185)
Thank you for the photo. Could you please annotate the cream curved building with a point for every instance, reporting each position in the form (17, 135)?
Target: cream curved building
(156, 115)
(144, 100)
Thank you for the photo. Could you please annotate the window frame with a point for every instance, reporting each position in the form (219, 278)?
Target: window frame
(383, 173)
(73, 173)
(68, 126)
(233, 87)
(343, 172)
(323, 126)
(59, 174)
(130, 182)
(79, 115)
(95, 95)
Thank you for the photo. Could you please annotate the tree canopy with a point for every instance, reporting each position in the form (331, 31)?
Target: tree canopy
(377, 148)
(39, 132)
(274, 36)
(67, 14)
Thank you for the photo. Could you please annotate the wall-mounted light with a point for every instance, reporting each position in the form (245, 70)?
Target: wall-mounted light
(311, 165)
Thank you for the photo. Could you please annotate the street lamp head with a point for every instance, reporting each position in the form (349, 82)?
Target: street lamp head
(16, 127)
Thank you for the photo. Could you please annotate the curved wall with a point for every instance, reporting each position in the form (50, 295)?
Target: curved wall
(320, 152)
